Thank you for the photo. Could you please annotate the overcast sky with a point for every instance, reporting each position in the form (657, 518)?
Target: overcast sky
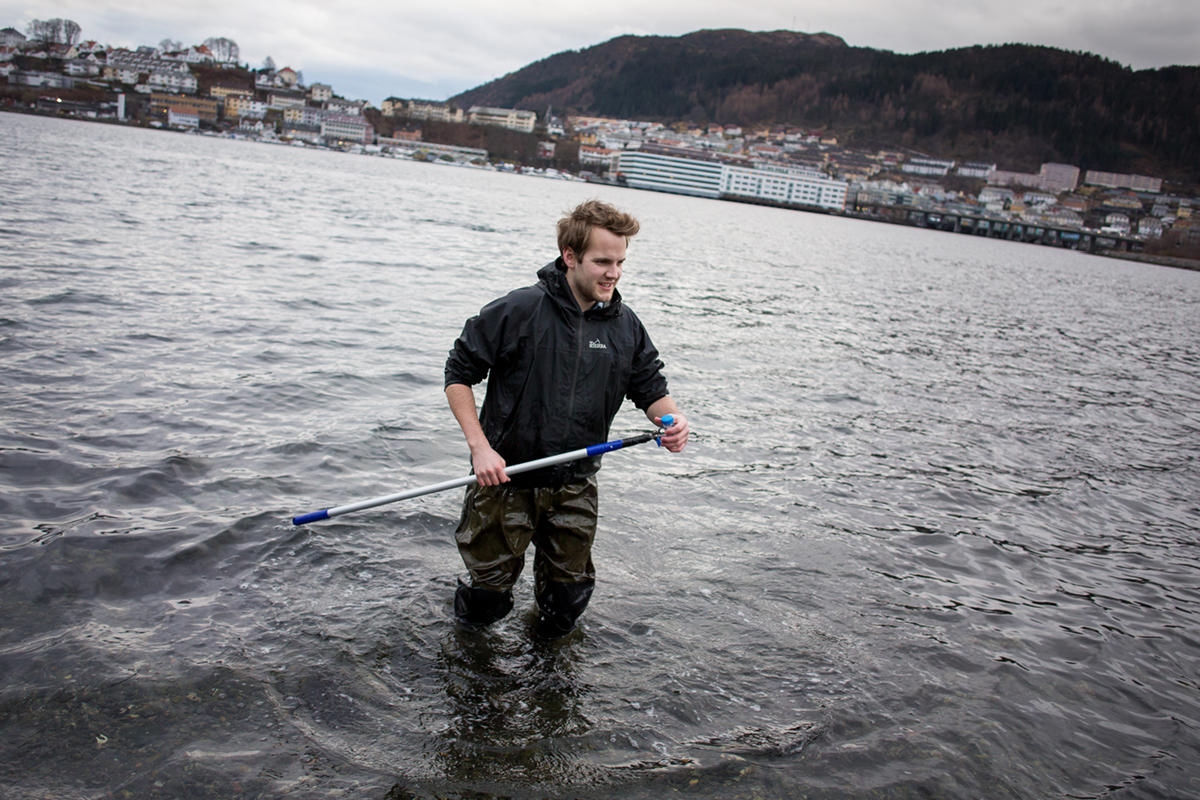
(368, 49)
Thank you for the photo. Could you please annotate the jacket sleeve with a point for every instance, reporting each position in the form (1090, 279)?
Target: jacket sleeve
(477, 348)
(646, 381)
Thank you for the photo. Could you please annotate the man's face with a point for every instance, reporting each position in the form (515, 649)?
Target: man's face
(594, 275)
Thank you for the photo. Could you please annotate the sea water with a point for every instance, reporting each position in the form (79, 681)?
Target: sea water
(935, 534)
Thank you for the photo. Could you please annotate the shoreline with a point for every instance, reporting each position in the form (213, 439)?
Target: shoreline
(1140, 257)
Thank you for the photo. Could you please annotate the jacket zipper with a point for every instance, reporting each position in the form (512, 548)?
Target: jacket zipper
(575, 372)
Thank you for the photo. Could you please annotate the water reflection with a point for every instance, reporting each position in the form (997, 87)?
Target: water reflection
(515, 704)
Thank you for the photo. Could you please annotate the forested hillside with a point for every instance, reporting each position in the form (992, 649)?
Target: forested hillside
(1018, 105)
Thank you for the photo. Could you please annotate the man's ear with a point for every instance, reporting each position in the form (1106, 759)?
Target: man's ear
(569, 258)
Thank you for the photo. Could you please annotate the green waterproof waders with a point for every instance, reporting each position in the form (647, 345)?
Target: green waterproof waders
(497, 526)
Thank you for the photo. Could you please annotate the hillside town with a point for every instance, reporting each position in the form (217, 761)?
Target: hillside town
(202, 88)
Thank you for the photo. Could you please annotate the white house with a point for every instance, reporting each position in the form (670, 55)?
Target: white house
(11, 37)
(1151, 227)
(995, 194)
(172, 81)
(182, 119)
(123, 74)
(1117, 223)
(285, 99)
(82, 67)
(305, 115)
(1033, 198)
(600, 157)
(50, 80)
(199, 54)
(927, 166)
(1060, 217)
(348, 108)
(976, 169)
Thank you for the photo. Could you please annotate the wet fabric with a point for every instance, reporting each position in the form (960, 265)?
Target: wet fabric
(499, 523)
(556, 375)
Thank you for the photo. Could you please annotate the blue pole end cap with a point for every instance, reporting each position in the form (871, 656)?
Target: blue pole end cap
(304, 519)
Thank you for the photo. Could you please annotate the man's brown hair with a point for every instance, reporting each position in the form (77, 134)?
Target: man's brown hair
(575, 229)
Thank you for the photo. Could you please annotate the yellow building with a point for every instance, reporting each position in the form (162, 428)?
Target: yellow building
(223, 92)
(511, 118)
(204, 108)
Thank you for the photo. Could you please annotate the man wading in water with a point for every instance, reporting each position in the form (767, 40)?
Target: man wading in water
(560, 357)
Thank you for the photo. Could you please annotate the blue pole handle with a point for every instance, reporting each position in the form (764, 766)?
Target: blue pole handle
(667, 421)
(304, 519)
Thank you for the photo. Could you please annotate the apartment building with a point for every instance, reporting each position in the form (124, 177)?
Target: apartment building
(511, 118)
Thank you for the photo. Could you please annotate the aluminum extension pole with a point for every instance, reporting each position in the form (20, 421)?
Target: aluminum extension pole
(573, 455)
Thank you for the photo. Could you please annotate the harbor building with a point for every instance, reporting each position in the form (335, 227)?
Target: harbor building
(343, 127)
(1058, 177)
(431, 151)
(675, 174)
(921, 165)
(766, 183)
(1115, 180)
(784, 185)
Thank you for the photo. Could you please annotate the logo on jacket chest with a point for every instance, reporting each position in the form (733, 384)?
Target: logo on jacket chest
(596, 344)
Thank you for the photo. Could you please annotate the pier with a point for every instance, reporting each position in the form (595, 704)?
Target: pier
(1009, 230)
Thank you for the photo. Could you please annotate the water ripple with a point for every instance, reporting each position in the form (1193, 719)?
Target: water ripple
(936, 534)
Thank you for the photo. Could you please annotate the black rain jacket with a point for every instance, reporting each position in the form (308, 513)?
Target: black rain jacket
(556, 375)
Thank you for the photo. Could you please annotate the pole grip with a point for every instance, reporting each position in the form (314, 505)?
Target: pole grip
(313, 516)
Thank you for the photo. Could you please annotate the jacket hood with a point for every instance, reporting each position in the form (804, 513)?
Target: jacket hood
(552, 279)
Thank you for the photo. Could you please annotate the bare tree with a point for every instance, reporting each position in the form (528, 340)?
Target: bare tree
(54, 31)
(70, 32)
(269, 64)
(45, 30)
(170, 45)
(223, 50)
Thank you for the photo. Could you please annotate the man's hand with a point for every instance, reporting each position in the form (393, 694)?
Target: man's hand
(489, 466)
(675, 438)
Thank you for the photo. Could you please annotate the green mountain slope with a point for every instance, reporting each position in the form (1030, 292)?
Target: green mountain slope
(1015, 104)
